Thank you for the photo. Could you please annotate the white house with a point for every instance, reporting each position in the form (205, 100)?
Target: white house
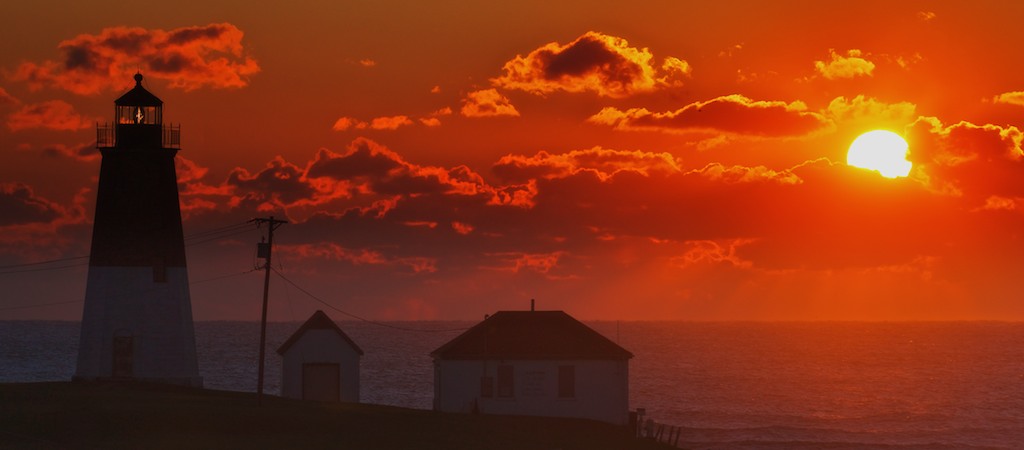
(536, 363)
(320, 362)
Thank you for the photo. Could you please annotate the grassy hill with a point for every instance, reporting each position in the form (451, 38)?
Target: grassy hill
(112, 415)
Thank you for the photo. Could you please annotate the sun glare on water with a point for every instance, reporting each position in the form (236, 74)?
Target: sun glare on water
(882, 151)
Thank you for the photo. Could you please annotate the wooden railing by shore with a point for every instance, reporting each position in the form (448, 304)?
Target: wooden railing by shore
(660, 432)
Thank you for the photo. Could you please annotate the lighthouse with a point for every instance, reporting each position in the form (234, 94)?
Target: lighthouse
(137, 317)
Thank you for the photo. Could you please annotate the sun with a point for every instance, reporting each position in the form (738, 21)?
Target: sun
(882, 151)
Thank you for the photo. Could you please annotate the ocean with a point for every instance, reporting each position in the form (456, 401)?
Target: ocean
(728, 385)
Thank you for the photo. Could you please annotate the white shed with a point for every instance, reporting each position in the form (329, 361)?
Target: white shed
(320, 362)
(537, 363)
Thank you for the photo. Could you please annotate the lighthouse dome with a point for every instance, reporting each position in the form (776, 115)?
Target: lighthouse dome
(138, 96)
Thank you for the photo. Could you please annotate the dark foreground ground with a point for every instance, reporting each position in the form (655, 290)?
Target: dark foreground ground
(112, 416)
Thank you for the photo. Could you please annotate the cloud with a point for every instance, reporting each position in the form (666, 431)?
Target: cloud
(733, 114)
(906, 61)
(744, 174)
(85, 152)
(422, 223)
(333, 251)
(713, 252)
(551, 214)
(871, 109)
(383, 123)
(195, 195)
(746, 76)
(6, 98)
(968, 160)
(371, 168)
(35, 227)
(462, 228)
(20, 205)
(345, 123)
(674, 70)
(188, 171)
(850, 66)
(487, 103)
(52, 115)
(368, 178)
(542, 263)
(278, 183)
(594, 62)
(367, 62)
(364, 158)
(1010, 98)
(430, 121)
(604, 163)
(925, 16)
(729, 52)
(997, 203)
(600, 224)
(187, 58)
(389, 122)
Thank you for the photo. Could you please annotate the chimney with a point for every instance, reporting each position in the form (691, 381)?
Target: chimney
(532, 303)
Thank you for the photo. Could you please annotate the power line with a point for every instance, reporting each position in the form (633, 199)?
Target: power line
(42, 305)
(230, 275)
(41, 269)
(204, 236)
(9, 308)
(39, 263)
(231, 227)
(217, 233)
(386, 325)
(216, 237)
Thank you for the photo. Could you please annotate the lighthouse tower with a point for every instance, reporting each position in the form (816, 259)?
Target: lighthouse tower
(137, 319)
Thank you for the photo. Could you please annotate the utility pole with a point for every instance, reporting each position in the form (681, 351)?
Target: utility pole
(264, 251)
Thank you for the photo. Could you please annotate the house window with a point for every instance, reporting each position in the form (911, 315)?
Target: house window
(506, 382)
(566, 381)
(486, 387)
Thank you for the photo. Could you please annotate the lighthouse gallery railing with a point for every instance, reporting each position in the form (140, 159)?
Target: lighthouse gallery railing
(106, 135)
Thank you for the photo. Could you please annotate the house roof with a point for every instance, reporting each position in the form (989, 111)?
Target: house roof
(318, 321)
(531, 335)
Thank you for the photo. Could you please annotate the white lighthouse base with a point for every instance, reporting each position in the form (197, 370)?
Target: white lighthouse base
(137, 325)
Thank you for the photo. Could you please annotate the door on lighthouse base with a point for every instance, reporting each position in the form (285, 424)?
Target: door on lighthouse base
(122, 357)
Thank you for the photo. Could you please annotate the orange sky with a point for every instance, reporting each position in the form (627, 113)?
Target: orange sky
(673, 160)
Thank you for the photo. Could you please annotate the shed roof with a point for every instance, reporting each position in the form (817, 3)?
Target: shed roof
(531, 335)
(318, 321)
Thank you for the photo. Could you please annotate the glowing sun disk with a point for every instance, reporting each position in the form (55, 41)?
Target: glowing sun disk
(882, 151)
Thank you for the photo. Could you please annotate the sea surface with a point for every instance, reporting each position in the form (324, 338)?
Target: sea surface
(728, 385)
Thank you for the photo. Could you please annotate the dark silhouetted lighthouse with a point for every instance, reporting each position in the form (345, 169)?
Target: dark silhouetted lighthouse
(137, 319)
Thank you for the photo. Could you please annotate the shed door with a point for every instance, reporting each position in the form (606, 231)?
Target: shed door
(321, 381)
